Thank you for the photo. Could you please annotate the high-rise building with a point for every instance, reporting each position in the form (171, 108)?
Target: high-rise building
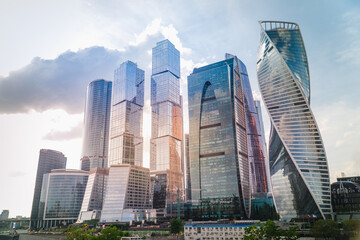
(126, 141)
(166, 154)
(263, 142)
(4, 215)
(94, 194)
(298, 165)
(188, 178)
(219, 156)
(127, 194)
(61, 197)
(48, 160)
(96, 125)
(255, 139)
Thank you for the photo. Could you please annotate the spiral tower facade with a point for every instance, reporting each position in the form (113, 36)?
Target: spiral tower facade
(297, 159)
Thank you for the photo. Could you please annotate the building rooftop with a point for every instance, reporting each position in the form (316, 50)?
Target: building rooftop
(221, 225)
(275, 25)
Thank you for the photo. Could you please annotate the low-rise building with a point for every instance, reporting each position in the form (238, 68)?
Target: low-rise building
(345, 198)
(216, 231)
(127, 195)
(61, 197)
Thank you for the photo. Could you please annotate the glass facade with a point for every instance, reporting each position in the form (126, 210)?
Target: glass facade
(62, 195)
(297, 159)
(126, 141)
(48, 160)
(255, 139)
(218, 141)
(166, 153)
(263, 143)
(127, 193)
(188, 178)
(345, 198)
(96, 125)
(95, 191)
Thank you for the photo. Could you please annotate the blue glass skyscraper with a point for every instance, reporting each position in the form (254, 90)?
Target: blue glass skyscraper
(96, 125)
(218, 146)
(297, 159)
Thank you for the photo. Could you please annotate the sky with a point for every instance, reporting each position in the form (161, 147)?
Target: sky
(51, 50)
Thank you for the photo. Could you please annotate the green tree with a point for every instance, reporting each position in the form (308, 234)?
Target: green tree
(80, 234)
(110, 233)
(269, 231)
(176, 225)
(107, 233)
(327, 229)
(351, 229)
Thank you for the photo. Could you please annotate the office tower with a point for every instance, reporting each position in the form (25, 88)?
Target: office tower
(188, 178)
(48, 160)
(298, 165)
(128, 187)
(219, 155)
(126, 141)
(61, 197)
(96, 125)
(345, 198)
(256, 149)
(166, 154)
(127, 194)
(4, 215)
(263, 143)
(94, 194)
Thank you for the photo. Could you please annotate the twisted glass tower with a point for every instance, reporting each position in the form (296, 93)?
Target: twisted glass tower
(297, 159)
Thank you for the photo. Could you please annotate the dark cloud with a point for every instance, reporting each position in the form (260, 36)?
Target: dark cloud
(61, 83)
(75, 132)
(58, 83)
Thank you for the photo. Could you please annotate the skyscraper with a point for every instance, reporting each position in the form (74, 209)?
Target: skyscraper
(48, 160)
(96, 125)
(263, 142)
(188, 178)
(166, 163)
(127, 194)
(255, 139)
(219, 156)
(298, 165)
(126, 141)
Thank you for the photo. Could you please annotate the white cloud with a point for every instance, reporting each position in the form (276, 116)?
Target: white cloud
(339, 124)
(349, 50)
(168, 32)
